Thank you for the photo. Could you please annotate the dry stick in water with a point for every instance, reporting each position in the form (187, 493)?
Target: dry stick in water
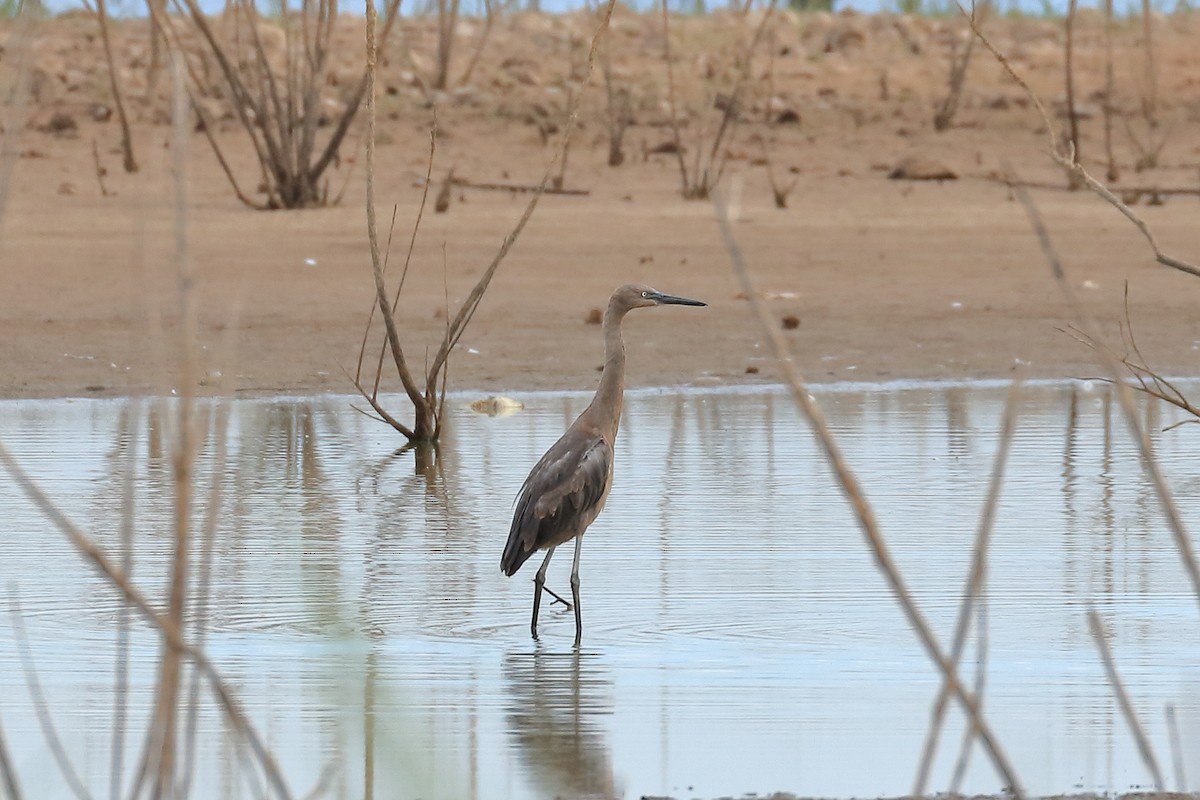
(40, 705)
(1176, 749)
(1074, 166)
(209, 536)
(1135, 726)
(975, 580)
(133, 423)
(7, 772)
(862, 509)
(969, 734)
(164, 739)
(1124, 393)
(427, 423)
(389, 322)
(170, 633)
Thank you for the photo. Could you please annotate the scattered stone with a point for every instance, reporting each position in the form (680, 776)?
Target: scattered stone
(922, 168)
(67, 188)
(789, 116)
(790, 322)
(751, 370)
(61, 124)
(666, 148)
(594, 317)
(100, 112)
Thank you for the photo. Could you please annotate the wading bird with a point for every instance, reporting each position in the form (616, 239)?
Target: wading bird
(566, 489)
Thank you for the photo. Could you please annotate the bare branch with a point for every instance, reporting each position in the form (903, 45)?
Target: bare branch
(39, 703)
(975, 580)
(1131, 719)
(862, 509)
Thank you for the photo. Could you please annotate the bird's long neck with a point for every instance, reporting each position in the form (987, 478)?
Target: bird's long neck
(612, 380)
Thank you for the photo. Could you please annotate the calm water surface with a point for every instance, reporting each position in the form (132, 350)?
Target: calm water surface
(737, 634)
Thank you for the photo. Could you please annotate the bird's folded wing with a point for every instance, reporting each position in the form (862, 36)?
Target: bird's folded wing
(564, 486)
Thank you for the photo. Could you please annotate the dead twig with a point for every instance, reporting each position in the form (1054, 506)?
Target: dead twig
(1113, 173)
(488, 21)
(132, 424)
(114, 83)
(862, 509)
(100, 170)
(944, 118)
(7, 772)
(1176, 749)
(517, 188)
(1141, 377)
(974, 584)
(970, 732)
(1131, 719)
(1072, 117)
(40, 706)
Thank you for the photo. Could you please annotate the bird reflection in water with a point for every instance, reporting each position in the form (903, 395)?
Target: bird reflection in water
(555, 720)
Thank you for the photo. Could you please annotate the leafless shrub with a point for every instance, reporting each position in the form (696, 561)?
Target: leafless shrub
(428, 401)
(278, 105)
(619, 111)
(1139, 374)
(1072, 117)
(1113, 173)
(780, 191)
(943, 118)
(114, 82)
(710, 158)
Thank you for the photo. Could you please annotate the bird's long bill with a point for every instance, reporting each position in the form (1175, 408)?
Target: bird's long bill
(672, 300)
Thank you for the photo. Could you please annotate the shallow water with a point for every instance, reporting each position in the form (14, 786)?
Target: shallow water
(738, 636)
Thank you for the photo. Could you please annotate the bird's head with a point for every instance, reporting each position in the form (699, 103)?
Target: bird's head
(634, 295)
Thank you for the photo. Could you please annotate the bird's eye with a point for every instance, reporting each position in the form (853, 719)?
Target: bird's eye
(645, 294)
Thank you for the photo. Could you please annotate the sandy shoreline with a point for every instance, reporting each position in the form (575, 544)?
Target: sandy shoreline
(889, 279)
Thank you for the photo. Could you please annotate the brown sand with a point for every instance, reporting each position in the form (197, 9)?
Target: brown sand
(888, 279)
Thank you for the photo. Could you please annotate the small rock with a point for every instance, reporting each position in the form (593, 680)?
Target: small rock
(788, 116)
(61, 124)
(594, 317)
(666, 148)
(751, 370)
(66, 188)
(101, 113)
(922, 168)
(790, 322)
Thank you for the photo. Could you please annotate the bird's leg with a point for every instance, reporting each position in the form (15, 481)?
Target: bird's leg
(575, 589)
(539, 581)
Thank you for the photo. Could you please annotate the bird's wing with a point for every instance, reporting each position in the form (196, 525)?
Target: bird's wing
(566, 484)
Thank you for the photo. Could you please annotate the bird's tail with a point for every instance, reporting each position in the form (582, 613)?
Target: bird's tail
(514, 555)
